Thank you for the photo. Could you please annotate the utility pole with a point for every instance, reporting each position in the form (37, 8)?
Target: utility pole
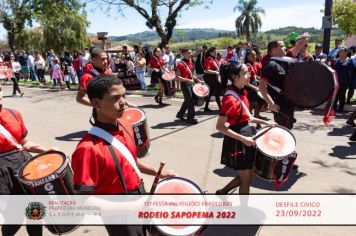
(327, 25)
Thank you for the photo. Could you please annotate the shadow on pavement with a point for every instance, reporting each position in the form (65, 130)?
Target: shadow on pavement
(170, 125)
(293, 177)
(153, 106)
(225, 172)
(345, 130)
(217, 135)
(77, 136)
(344, 152)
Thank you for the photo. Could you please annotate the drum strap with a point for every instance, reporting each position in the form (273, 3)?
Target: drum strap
(118, 167)
(117, 144)
(190, 72)
(9, 137)
(230, 92)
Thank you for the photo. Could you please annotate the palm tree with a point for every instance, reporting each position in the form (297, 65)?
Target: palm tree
(249, 21)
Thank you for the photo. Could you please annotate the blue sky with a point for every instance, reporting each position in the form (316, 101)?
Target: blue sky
(220, 15)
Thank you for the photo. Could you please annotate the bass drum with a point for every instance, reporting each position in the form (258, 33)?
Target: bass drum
(309, 84)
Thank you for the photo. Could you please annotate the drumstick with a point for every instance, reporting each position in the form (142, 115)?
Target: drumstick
(158, 176)
(262, 133)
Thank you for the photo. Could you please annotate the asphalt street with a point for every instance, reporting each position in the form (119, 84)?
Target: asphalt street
(326, 158)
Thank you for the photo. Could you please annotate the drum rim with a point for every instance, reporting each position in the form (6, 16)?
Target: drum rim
(143, 118)
(58, 170)
(184, 179)
(201, 193)
(199, 95)
(277, 157)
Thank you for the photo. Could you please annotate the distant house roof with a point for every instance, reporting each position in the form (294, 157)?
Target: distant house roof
(119, 48)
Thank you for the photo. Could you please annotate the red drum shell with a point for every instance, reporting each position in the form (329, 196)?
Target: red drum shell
(135, 122)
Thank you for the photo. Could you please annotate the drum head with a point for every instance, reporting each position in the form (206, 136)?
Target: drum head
(201, 90)
(177, 185)
(169, 76)
(309, 84)
(133, 115)
(276, 143)
(42, 166)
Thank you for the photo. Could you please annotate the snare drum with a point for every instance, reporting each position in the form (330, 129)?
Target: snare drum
(169, 83)
(48, 173)
(178, 185)
(135, 121)
(272, 147)
(201, 91)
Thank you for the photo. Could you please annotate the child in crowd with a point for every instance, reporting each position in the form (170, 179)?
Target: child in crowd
(66, 74)
(57, 74)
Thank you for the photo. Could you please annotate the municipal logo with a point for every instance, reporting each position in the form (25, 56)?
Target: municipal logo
(35, 211)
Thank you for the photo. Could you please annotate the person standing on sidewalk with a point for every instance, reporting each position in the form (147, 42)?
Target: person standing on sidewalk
(31, 66)
(140, 68)
(40, 66)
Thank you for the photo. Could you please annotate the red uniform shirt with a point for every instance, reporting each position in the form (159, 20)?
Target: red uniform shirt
(211, 64)
(230, 55)
(251, 69)
(94, 168)
(231, 107)
(12, 122)
(185, 69)
(89, 74)
(156, 63)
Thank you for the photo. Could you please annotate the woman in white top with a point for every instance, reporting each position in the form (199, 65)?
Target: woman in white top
(140, 68)
(40, 66)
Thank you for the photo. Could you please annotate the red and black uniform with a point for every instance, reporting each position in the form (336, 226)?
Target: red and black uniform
(90, 72)
(156, 63)
(234, 153)
(11, 159)
(274, 73)
(94, 169)
(185, 70)
(212, 80)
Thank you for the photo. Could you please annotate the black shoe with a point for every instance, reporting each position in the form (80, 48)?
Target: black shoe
(180, 117)
(294, 120)
(295, 167)
(352, 123)
(156, 99)
(353, 137)
(163, 104)
(192, 121)
(219, 192)
(207, 110)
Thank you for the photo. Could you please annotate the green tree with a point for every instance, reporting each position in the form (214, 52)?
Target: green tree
(152, 10)
(14, 14)
(30, 40)
(249, 21)
(181, 35)
(344, 13)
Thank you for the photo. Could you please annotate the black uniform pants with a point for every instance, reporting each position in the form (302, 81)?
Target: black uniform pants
(188, 103)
